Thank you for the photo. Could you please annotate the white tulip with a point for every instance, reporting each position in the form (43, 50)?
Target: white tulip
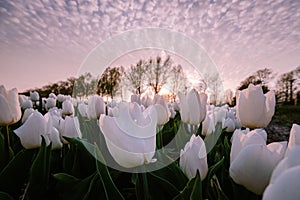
(50, 103)
(34, 96)
(10, 111)
(147, 101)
(241, 139)
(192, 107)
(31, 131)
(61, 98)
(294, 139)
(254, 109)
(286, 186)
(82, 108)
(96, 107)
(131, 136)
(135, 98)
(253, 166)
(208, 125)
(53, 134)
(67, 108)
(290, 160)
(229, 124)
(193, 158)
(70, 128)
(26, 114)
(53, 96)
(162, 110)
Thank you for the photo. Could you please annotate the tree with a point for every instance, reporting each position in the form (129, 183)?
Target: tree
(229, 97)
(158, 72)
(287, 86)
(260, 77)
(177, 81)
(109, 81)
(135, 77)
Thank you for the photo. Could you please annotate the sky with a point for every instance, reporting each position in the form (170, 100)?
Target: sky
(45, 41)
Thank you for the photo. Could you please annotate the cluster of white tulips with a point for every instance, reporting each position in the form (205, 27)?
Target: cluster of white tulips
(130, 129)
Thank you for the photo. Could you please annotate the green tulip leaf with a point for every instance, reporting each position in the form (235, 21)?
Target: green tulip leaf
(193, 189)
(14, 175)
(111, 191)
(5, 196)
(40, 172)
(70, 187)
(212, 139)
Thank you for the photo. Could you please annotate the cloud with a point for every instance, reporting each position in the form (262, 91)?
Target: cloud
(235, 33)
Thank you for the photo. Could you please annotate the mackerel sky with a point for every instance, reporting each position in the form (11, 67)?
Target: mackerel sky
(44, 41)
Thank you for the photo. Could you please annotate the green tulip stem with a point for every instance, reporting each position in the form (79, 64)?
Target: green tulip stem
(7, 136)
(145, 185)
(160, 139)
(6, 145)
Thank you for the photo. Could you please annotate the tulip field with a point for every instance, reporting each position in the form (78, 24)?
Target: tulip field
(59, 147)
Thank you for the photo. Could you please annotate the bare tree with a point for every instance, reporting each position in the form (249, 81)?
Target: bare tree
(135, 77)
(158, 72)
(177, 81)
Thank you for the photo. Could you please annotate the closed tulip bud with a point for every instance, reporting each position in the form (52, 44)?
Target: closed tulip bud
(31, 131)
(26, 114)
(53, 96)
(34, 96)
(70, 128)
(192, 107)
(135, 98)
(67, 108)
(50, 103)
(53, 134)
(241, 139)
(208, 125)
(294, 139)
(82, 108)
(96, 107)
(253, 166)
(162, 110)
(147, 101)
(193, 158)
(10, 111)
(285, 187)
(61, 98)
(229, 124)
(254, 109)
(131, 136)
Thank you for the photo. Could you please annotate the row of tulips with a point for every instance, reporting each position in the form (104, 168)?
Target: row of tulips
(161, 150)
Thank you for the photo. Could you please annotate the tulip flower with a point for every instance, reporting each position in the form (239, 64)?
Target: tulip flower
(229, 124)
(53, 96)
(96, 107)
(162, 110)
(131, 136)
(241, 139)
(192, 107)
(208, 125)
(82, 108)
(135, 98)
(53, 134)
(253, 166)
(26, 114)
(10, 111)
(193, 158)
(286, 186)
(31, 131)
(61, 98)
(254, 109)
(290, 160)
(147, 101)
(50, 103)
(70, 128)
(294, 139)
(34, 96)
(67, 108)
